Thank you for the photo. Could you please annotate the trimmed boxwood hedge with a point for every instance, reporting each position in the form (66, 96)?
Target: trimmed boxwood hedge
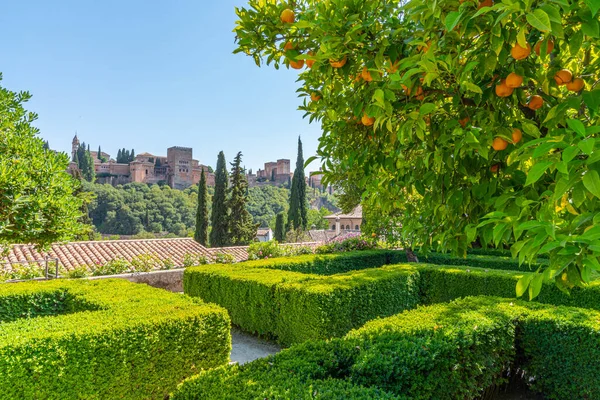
(444, 351)
(441, 284)
(329, 264)
(293, 307)
(104, 339)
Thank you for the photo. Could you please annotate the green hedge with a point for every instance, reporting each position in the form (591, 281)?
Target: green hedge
(444, 351)
(293, 307)
(329, 264)
(104, 339)
(479, 261)
(441, 284)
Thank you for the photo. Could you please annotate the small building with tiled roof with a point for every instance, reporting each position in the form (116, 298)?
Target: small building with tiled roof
(340, 222)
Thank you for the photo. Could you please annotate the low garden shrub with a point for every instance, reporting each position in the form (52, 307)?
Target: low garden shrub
(224, 258)
(294, 307)
(321, 296)
(104, 339)
(444, 351)
(265, 250)
(112, 267)
(350, 242)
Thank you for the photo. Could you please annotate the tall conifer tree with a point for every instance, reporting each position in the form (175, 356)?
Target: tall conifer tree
(298, 212)
(242, 229)
(280, 228)
(219, 235)
(201, 233)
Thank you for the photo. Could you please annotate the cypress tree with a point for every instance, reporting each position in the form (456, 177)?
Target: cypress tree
(132, 155)
(219, 235)
(89, 172)
(119, 156)
(201, 233)
(242, 229)
(280, 228)
(298, 212)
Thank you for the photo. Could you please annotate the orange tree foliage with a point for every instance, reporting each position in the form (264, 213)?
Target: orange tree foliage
(415, 108)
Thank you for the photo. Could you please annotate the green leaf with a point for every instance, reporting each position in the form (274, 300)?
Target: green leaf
(577, 126)
(523, 284)
(427, 108)
(536, 172)
(570, 153)
(309, 160)
(594, 6)
(591, 181)
(587, 146)
(472, 87)
(591, 28)
(592, 100)
(539, 20)
(379, 96)
(535, 286)
(452, 20)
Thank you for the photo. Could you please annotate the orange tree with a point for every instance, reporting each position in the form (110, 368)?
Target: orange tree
(465, 121)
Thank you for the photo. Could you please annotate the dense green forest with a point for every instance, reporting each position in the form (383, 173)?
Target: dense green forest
(135, 208)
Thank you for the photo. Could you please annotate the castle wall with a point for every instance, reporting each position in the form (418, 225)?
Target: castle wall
(180, 162)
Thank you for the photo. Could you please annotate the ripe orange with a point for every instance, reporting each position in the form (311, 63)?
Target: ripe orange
(575, 85)
(517, 135)
(494, 168)
(520, 53)
(538, 47)
(309, 62)
(563, 77)
(464, 121)
(535, 102)
(499, 144)
(502, 90)
(486, 3)
(338, 63)
(367, 121)
(514, 80)
(288, 46)
(288, 16)
(297, 64)
(366, 75)
(315, 96)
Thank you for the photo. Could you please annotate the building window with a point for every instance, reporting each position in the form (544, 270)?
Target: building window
(333, 227)
(356, 227)
(347, 227)
(146, 172)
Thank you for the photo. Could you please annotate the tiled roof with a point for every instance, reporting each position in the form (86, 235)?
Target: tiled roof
(71, 255)
(321, 235)
(356, 213)
(76, 254)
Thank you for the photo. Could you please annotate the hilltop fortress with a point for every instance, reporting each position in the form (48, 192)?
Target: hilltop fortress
(178, 169)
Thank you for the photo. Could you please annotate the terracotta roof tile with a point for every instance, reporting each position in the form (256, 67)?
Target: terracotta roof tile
(72, 255)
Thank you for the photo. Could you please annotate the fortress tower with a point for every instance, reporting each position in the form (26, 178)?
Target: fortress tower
(74, 147)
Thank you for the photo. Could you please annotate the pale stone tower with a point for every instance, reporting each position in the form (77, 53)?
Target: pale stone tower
(74, 147)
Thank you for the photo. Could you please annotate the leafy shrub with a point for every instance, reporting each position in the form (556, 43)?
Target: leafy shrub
(167, 263)
(128, 344)
(81, 271)
(224, 258)
(444, 351)
(290, 251)
(145, 263)
(22, 272)
(264, 250)
(190, 260)
(345, 243)
(294, 307)
(113, 267)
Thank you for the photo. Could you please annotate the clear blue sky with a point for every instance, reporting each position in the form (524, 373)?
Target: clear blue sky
(149, 75)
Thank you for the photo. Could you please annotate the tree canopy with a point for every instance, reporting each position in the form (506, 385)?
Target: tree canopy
(464, 121)
(37, 200)
(219, 234)
(202, 220)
